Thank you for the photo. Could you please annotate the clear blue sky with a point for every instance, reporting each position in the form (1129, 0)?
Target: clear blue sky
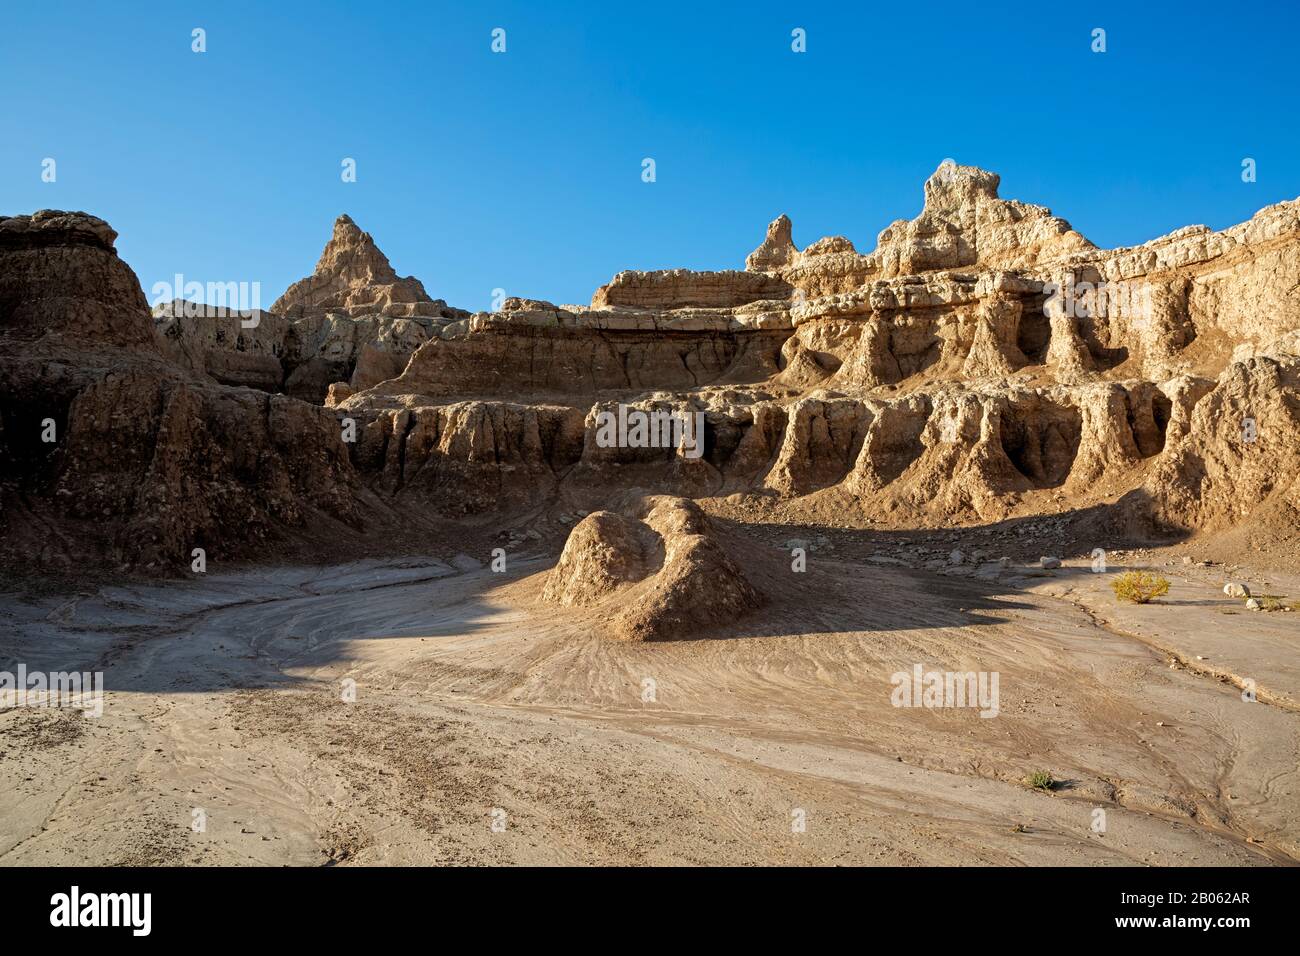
(523, 170)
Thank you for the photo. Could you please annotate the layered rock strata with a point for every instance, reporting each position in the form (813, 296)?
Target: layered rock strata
(983, 361)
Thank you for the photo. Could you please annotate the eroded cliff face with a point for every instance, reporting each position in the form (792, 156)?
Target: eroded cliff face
(534, 347)
(112, 456)
(299, 357)
(984, 361)
(62, 284)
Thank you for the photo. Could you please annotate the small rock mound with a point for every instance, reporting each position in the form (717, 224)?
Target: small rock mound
(698, 586)
(671, 516)
(603, 553)
(660, 562)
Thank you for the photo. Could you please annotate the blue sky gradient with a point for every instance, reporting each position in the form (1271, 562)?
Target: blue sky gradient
(523, 170)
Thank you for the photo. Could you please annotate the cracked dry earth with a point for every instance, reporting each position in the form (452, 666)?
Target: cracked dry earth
(472, 694)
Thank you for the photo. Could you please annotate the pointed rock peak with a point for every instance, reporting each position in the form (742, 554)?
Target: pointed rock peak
(776, 251)
(780, 228)
(354, 277)
(953, 183)
(352, 255)
(346, 230)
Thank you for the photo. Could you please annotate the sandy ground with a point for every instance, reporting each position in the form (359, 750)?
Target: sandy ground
(488, 728)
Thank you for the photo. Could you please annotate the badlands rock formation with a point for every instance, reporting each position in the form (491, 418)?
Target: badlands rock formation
(983, 362)
(354, 320)
(110, 454)
(62, 284)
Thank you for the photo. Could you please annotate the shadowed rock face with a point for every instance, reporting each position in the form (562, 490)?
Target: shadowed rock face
(109, 454)
(552, 352)
(299, 357)
(942, 378)
(61, 281)
(470, 457)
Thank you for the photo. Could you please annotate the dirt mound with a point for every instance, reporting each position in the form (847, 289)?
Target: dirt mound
(605, 551)
(696, 587)
(662, 574)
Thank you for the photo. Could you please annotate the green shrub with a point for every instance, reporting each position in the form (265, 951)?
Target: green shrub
(1040, 780)
(1140, 587)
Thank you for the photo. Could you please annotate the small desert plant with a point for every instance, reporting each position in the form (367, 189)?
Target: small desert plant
(1040, 780)
(1140, 587)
